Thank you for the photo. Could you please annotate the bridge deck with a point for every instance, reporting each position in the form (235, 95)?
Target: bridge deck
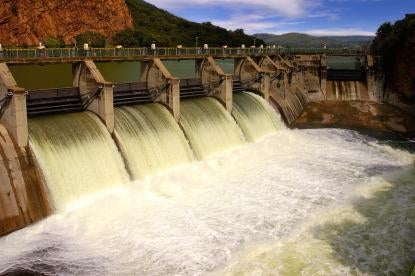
(72, 55)
(345, 75)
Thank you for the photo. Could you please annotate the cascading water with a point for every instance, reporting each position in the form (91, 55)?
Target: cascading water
(209, 127)
(347, 91)
(314, 202)
(254, 116)
(150, 139)
(77, 156)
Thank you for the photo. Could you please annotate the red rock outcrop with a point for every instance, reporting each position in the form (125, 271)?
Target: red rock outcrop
(30, 21)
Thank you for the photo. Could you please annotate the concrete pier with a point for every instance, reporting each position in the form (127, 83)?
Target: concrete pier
(217, 82)
(323, 74)
(163, 86)
(253, 76)
(97, 92)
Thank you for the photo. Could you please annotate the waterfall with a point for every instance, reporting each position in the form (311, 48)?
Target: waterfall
(347, 90)
(255, 117)
(150, 139)
(209, 127)
(76, 155)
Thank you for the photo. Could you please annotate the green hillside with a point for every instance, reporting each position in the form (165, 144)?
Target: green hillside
(303, 40)
(166, 29)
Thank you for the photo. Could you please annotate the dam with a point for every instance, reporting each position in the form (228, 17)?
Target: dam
(144, 174)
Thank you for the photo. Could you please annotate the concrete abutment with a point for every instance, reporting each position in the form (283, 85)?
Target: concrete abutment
(13, 112)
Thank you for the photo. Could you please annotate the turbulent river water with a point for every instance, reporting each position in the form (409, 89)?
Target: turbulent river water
(297, 202)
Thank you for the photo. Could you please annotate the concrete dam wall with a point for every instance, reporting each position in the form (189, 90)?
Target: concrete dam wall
(60, 146)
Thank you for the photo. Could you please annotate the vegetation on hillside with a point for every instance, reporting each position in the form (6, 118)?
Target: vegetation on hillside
(52, 42)
(298, 40)
(152, 24)
(396, 44)
(92, 38)
(390, 37)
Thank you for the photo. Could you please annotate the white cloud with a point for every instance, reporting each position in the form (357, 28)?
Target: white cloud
(267, 16)
(338, 32)
(288, 8)
(253, 23)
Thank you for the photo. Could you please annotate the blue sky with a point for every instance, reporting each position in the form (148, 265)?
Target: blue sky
(316, 17)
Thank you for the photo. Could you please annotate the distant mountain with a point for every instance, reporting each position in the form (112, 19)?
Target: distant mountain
(308, 41)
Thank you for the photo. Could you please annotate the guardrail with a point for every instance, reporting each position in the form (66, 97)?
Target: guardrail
(10, 54)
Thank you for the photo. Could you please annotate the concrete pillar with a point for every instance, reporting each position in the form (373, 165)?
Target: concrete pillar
(374, 92)
(92, 84)
(284, 63)
(14, 116)
(165, 87)
(267, 64)
(248, 70)
(173, 97)
(323, 74)
(218, 83)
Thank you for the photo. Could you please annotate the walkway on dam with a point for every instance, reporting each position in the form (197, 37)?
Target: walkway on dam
(59, 55)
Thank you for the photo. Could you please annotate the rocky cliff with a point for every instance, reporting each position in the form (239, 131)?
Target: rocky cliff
(395, 43)
(404, 69)
(28, 21)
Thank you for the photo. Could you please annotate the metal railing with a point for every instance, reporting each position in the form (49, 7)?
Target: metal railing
(10, 54)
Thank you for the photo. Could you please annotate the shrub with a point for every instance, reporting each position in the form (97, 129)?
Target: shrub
(128, 38)
(51, 42)
(94, 39)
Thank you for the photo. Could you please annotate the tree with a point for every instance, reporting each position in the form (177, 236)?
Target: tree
(128, 38)
(51, 42)
(94, 39)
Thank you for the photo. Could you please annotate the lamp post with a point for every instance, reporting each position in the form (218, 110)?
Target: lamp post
(254, 42)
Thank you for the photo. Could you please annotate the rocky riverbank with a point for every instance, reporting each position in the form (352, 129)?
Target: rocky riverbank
(359, 115)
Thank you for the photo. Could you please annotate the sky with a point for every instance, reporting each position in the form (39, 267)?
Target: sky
(315, 17)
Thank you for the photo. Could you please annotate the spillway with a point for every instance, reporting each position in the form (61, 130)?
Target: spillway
(76, 155)
(255, 116)
(150, 139)
(347, 91)
(209, 127)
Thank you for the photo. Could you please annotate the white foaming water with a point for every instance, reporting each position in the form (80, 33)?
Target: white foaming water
(77, 156)
(216, 215)
(255, 116)
(150, 139)
(209, 128)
